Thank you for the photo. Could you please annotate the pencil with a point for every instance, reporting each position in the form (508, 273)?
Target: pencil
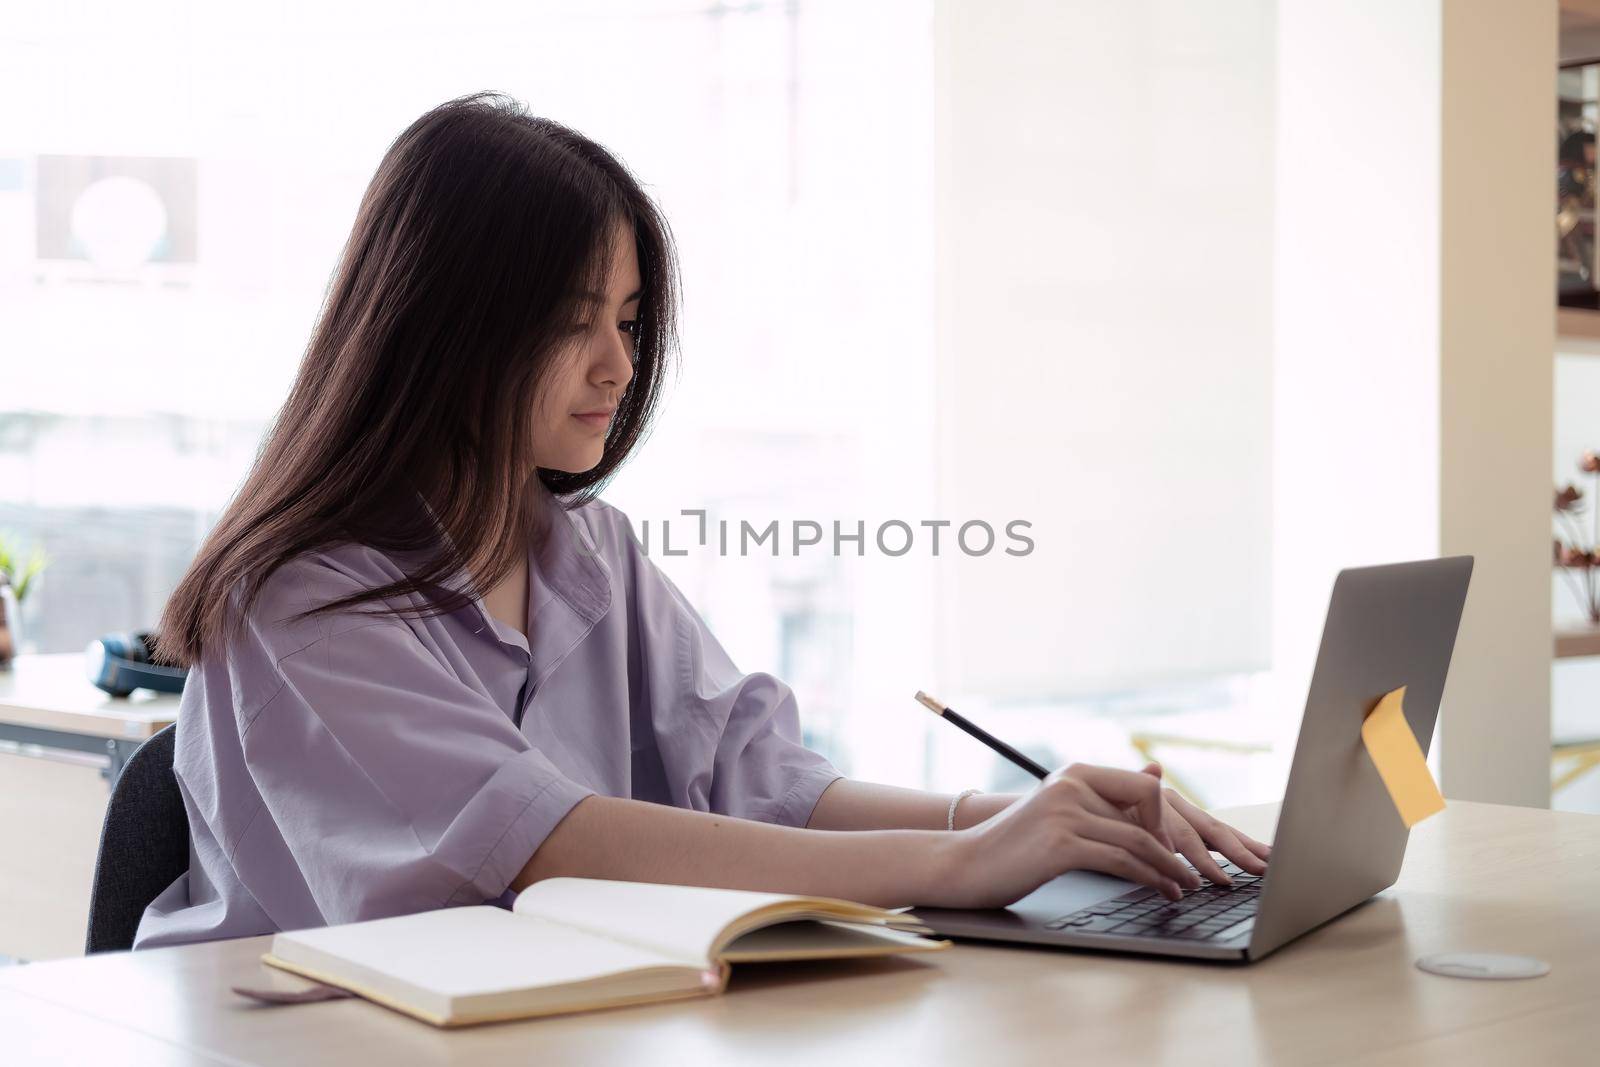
(981, 734)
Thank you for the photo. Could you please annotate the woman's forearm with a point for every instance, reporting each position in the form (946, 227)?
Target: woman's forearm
(632, 840)
(851, 805)
(1081, 817)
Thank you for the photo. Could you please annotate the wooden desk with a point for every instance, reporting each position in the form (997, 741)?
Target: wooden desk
(48, 701)
(1477, 877)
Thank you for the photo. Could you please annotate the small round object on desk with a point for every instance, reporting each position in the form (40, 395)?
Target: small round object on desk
(1482, 965)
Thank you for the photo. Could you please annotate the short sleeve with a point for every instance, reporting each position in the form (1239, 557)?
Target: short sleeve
(731, 740)
(396, 786)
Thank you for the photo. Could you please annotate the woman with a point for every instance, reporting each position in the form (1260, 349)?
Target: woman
(428, 667)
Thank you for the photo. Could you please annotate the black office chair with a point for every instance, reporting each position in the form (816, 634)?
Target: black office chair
(144, 844)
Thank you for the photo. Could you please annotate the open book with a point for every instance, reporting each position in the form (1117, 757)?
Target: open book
(575, 944)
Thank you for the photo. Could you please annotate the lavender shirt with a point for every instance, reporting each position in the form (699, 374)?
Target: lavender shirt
(349, 767)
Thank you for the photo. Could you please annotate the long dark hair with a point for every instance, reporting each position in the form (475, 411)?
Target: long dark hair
(454, 296)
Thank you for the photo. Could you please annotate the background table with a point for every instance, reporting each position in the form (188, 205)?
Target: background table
(48, 701)
(1477, 876)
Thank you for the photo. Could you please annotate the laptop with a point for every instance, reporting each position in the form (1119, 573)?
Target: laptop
(1339, 839)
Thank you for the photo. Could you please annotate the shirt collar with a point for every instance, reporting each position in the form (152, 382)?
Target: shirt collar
(570, 563)
(569, 566)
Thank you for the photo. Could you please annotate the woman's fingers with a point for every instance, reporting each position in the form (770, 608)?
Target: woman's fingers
(1128, 788)
(1257, 849)
(1179, 832)
(1185, 836)
(1218, 835)
(1139, 844)
(1099, 856)
(1098, 804)
(1192, 845)
(1261, 850)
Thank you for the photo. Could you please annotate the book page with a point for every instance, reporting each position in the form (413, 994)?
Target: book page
(462, 952)
(810, 939)
(683, 923)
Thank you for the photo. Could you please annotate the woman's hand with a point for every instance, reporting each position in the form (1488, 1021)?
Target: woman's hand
(1197, 834)
(1083, 817)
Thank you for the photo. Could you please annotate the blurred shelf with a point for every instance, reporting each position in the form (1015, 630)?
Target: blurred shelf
(1584, 641)
(1578, 331)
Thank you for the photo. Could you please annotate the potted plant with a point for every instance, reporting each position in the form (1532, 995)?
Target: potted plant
(16, 580)
(1577, 555)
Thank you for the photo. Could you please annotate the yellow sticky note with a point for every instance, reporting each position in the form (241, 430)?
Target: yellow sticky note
(1399, 759)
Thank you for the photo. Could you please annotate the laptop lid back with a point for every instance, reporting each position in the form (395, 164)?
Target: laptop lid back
(1339, 839)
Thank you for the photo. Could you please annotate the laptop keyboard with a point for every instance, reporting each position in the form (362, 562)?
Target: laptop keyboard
(1210, 913)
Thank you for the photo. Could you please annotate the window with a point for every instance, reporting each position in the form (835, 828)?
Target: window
(169, 219)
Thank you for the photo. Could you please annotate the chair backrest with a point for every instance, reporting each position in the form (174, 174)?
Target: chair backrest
(144, 844)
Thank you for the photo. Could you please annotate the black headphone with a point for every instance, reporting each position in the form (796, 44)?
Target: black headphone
(120, 663)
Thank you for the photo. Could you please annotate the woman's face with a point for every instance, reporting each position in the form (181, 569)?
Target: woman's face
(584, 387)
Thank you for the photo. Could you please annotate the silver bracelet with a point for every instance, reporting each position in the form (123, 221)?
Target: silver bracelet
(950, 817)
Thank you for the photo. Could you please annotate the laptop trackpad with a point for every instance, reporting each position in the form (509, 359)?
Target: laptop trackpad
(1066, 894)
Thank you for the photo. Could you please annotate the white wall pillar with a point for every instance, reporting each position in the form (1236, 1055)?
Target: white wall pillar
(1497, 351)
